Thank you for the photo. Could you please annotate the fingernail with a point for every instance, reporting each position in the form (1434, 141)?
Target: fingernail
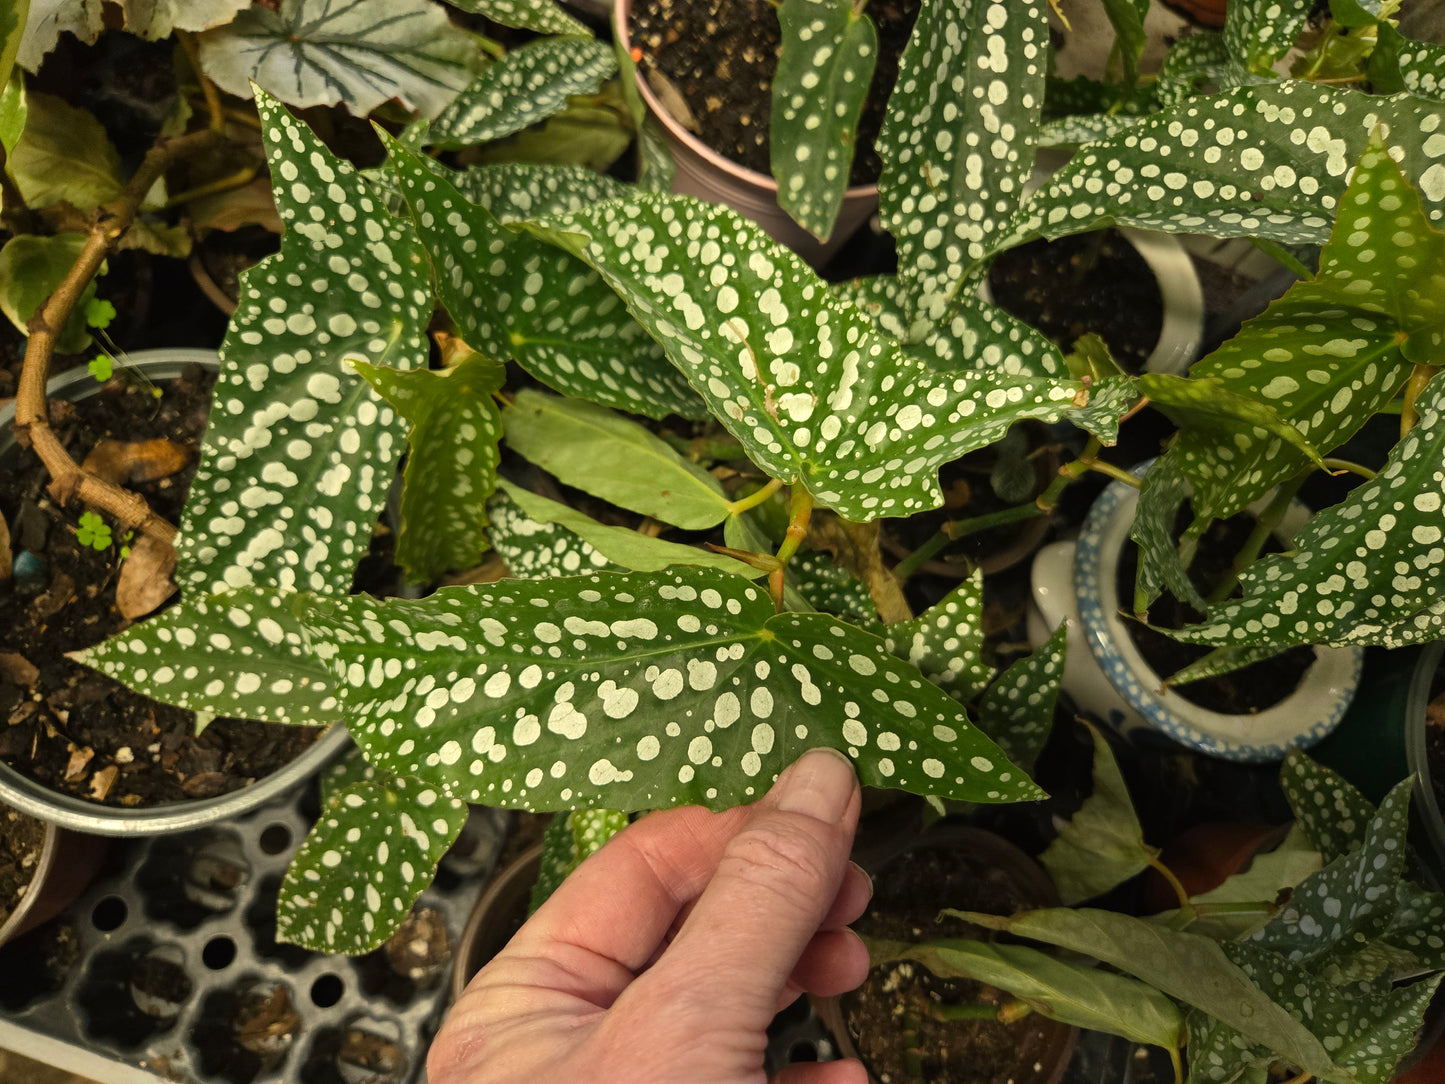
(867, 877)
(819, 785)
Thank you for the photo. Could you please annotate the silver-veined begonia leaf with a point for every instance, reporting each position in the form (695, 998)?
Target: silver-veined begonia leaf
(152, 19)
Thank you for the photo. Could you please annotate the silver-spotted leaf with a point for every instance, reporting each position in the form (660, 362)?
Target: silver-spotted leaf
(598, 544)
(1333, 588)
(958, 140)
(1418, 926)
(946, 642)
(1268, 874)
(240, 653)
(370, 854)
(515, 297)
(1017, 710)
(533, 549)
(1161, 565)
(805, 382)
(569, 839)
(1326, 806)
(300, 452)
(825, 64)
(1400, 63)
(345, 771)
(603, 453)
(543, 16)
(1222, 660)
(451, 464)
(527, 85)
(637, 691)
(329, 52)
(513, 191)
(1199, 63)
(1258, 33)
(1074, 131)
(831, 588)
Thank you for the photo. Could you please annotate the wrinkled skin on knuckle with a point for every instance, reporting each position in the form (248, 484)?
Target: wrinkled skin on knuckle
(787, 863)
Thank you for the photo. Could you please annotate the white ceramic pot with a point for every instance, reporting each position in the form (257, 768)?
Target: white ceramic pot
(1107, 677)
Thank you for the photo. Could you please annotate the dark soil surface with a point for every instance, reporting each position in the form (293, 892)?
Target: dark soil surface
(21, 839)
(1086, 282)
(1245, 691)
(906, 900)
(1434, 736)
(721, 55)
(61, 723)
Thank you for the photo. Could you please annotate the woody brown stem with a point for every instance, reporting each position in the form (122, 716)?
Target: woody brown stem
(68, 481)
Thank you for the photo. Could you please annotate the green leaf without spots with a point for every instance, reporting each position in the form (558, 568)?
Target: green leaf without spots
(300, 452)
(240, 653)
(1102, 845)
(1187, 967)
(958, 140)
(515, 297)
(610, 456)
(1086, 997)
(1266, 161)
(1332, 813)
(617, 545)
(570, 838)
(831, 588)
(634, 692)
(14, 110)
(371, 853)
(1258, 33)
(31, 267)
(1017, 711)
(357, 52)
(514, 191)
(1333, 588)
(1222, 660)
(946, 642)
(803, 381)
(527, 85)
(1161, 495)
(1399, 63)
(64, 155)
(825, 64)
(451, 465)
(534, 549)
(1127, 19)
(12, 30)
(543, 16)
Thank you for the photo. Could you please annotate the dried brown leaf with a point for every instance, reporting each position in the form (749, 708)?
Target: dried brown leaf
(855, 547)
(122, 462)
(102, 781)
(79, 758)
(145, 577)
(17, 669)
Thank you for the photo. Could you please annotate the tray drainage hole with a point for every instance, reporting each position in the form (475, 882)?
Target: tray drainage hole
(326, 991)
(218, 953)
(802, 1050)
(109, 913)
(275, 839)
(159, 984)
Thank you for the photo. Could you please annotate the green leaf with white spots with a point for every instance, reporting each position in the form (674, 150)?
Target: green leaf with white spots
(1333, 588)
(1222, 660)
(240, 653)
(515, 297)
(825, 64)
(543, 16)
(831, 588)
(1161, 565)
(1400, 63)
(1258, 33)
(1268, 161)
(1087, 997)
(534, 549)
(981, 336)
(451, 465)
(357, 52)
(1102, 845)
(958, 140)
(610, 456)
(527, 85)
(1331, 811)
(370, 854)
(569, 839)
(346, 771)
(946, 642)
(299, 454)
(1017, 711)
(1074, 131)
(803, 381)
(513, 191)
(604, 543)
(882, 297)
(1197, 64)
(1418, 926)
(638, 691)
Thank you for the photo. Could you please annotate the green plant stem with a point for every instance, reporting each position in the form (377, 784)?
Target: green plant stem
(1263, 529)
(961, 528)
(1175, 1061)
(1088, 460)
(1409, 416)
(214, 109)
(494, 49)
(239, 179)
(947, 1013)
(1344, 466)
(800, 512)
(1185, 906)
(738, 507)
(1281, 255)
(912, 1060)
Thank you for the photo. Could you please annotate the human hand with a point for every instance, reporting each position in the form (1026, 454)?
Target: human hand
(665, 955)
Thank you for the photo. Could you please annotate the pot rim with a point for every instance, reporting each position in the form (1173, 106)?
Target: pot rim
(1181, 300)
(529, 861)
(49, 848)
(1321, 698)
(1416, 755)
(28, 796)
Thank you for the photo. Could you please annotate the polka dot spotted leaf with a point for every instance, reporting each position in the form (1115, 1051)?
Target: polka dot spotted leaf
(451, 464)
(1257, 33)
(1331, 811)
(527, 85)
(946, 642)
(637, 691)
(513, 191)
(1161, 566)
(807, 383)
(831, 588)
(1398, 63)
(515, 297)
(370, 854)
(1017, 710)
(829, 49)
(300, 452)
(543, 16)
(569, 839)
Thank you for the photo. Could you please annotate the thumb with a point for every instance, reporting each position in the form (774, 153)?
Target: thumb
(772, 888)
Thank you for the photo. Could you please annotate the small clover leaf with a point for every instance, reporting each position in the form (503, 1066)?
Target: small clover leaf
(93, 532)
(99, 313)
(102, 367)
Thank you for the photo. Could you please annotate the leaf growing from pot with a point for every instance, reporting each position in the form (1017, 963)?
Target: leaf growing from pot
(1161, 564)
(1017, 711)
(543, 16)
(350, 283)
(1331, 811)
(825, 64)
(64, 155)
(1398, 63)
(607, 455)
(1102, 845)
(529, 84)
(451, 466)
(1127, 19)
(1087, 997)
(1334, 589)
(31, 267)
(515, 297)
(634, 692)
(569, 839)
(597, 544)
(371, 853)
(946, 642)
(803, 381)
(357, 52)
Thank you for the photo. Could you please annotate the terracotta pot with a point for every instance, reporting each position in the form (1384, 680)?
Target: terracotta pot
(1204, 857)
(496, 917)
(68, 861)
(1047, 1046)
(702, 172)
